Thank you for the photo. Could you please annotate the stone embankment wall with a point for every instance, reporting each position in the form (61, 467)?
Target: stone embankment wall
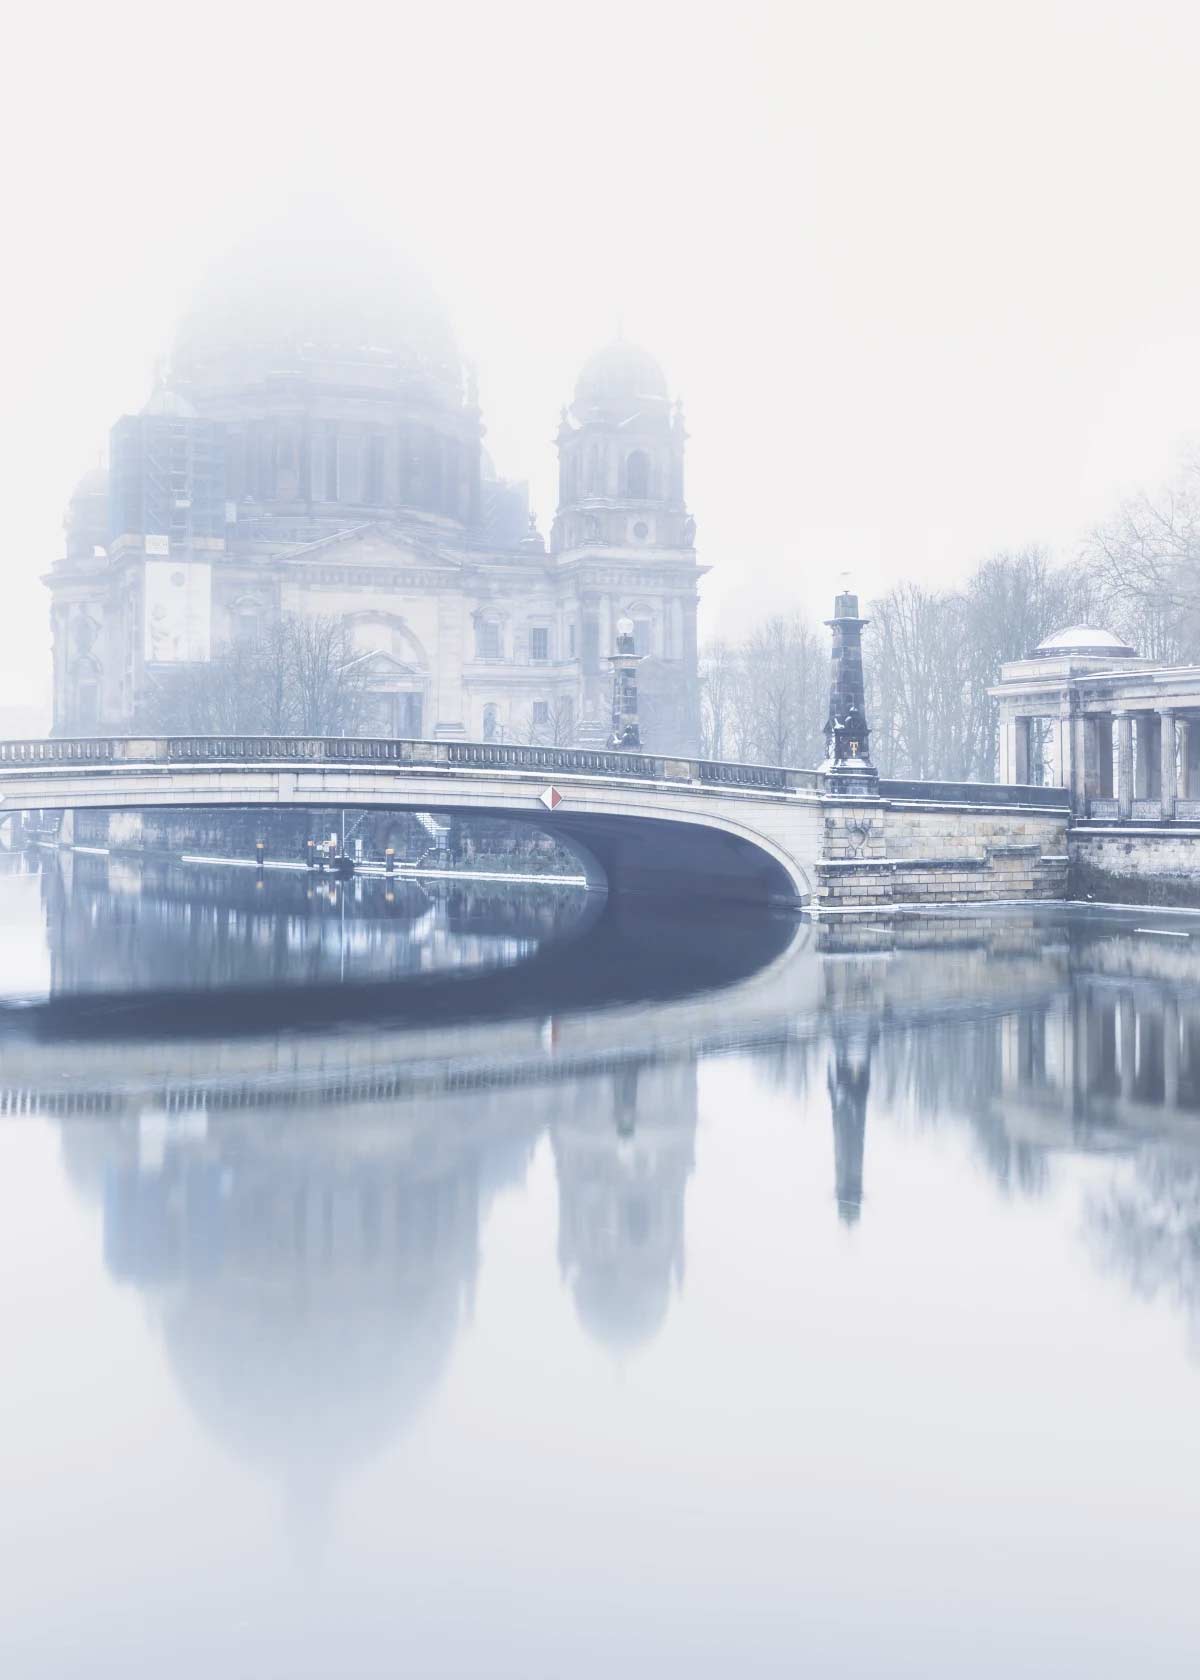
(891, 853)
(1136, 865)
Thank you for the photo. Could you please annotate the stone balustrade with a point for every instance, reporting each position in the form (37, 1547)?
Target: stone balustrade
(470, 755)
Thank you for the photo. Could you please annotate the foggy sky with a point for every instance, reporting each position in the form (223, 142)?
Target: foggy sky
(924, 275)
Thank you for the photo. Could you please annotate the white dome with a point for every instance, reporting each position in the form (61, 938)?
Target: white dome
(1084, 638)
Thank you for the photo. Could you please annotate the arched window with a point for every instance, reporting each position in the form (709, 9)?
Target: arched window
(491, 722)
(637, 475)
(593, 470)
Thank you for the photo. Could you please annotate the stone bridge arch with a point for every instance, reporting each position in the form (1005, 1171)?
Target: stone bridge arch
(638, 824)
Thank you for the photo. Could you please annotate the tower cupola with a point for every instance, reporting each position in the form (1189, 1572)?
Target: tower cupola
(620, 455)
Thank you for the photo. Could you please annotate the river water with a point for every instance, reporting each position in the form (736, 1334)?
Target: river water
(459, 1280)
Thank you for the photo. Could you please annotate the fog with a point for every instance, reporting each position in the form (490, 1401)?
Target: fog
(925, 276)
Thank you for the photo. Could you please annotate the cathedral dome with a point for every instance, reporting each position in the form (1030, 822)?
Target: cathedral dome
(316, 293)
(620, 376)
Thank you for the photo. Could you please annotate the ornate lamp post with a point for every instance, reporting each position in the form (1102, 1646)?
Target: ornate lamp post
(625, 737)
(847, 765)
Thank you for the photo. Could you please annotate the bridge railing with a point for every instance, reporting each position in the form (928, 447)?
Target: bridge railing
(58, 752)
(977, 793)
(467, 755)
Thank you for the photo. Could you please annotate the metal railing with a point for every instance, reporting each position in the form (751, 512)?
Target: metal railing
(465, 755)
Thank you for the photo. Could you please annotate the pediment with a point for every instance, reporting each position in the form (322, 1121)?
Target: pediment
(376, 546)
(380, 663)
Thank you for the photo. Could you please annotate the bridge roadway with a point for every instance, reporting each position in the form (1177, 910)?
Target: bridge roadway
(637, 822)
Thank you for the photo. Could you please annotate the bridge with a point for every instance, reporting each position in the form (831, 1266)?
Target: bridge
(637, 822)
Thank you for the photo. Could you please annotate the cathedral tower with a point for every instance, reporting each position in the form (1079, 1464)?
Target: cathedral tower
(624, 535)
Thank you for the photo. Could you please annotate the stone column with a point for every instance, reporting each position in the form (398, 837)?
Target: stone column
(1124, 766)
(1146, 781)
(1104, 754)
(1081, 733)
(1183, 732)
(1167, 761)
(1021, 727)
(1008, 749)
(1064, 735)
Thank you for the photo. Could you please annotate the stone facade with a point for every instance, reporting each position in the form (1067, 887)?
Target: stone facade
(877, 854)
(1132, 865)
(317, 448)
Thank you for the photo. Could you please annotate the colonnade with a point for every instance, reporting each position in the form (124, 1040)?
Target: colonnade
(1129, 755)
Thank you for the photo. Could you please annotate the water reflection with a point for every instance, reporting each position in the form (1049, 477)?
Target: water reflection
(623, 1157)
(849, 1081)
(313, 1245)
(309, 1280)
(128, 926)
(309, 1211)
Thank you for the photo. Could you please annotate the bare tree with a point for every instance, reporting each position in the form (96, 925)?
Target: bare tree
(719, 678)
(762, 700)
(932, 655)
(303, 676)
(555, 729)
(330, 680)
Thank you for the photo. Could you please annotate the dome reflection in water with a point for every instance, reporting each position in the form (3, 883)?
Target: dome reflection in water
(866, 1244)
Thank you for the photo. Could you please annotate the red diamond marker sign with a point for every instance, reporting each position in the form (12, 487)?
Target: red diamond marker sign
(550, 797)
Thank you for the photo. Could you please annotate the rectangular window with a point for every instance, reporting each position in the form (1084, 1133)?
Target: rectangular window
(642, 634)
(541, 711)
(539, 642)
(488, 635)
(331, 464)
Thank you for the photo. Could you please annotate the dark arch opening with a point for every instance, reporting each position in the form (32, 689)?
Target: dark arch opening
(637, 475)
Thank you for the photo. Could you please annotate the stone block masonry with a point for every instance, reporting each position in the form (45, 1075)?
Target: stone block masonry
(1136, 865)
(881, 853)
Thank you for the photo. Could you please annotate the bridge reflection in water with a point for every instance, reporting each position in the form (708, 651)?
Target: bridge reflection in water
(305, 1208)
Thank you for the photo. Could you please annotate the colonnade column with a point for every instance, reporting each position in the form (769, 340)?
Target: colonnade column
(1124, 766)
(1078, 771)
(1183, 731)
(1102, 741)
(1021, 753)
(1167, 760)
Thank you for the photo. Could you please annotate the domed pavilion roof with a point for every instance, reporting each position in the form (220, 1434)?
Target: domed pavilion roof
(621, 376)
(1083, 640)
(315, 288)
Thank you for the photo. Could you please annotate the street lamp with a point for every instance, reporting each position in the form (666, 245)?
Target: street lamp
(626, 737)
